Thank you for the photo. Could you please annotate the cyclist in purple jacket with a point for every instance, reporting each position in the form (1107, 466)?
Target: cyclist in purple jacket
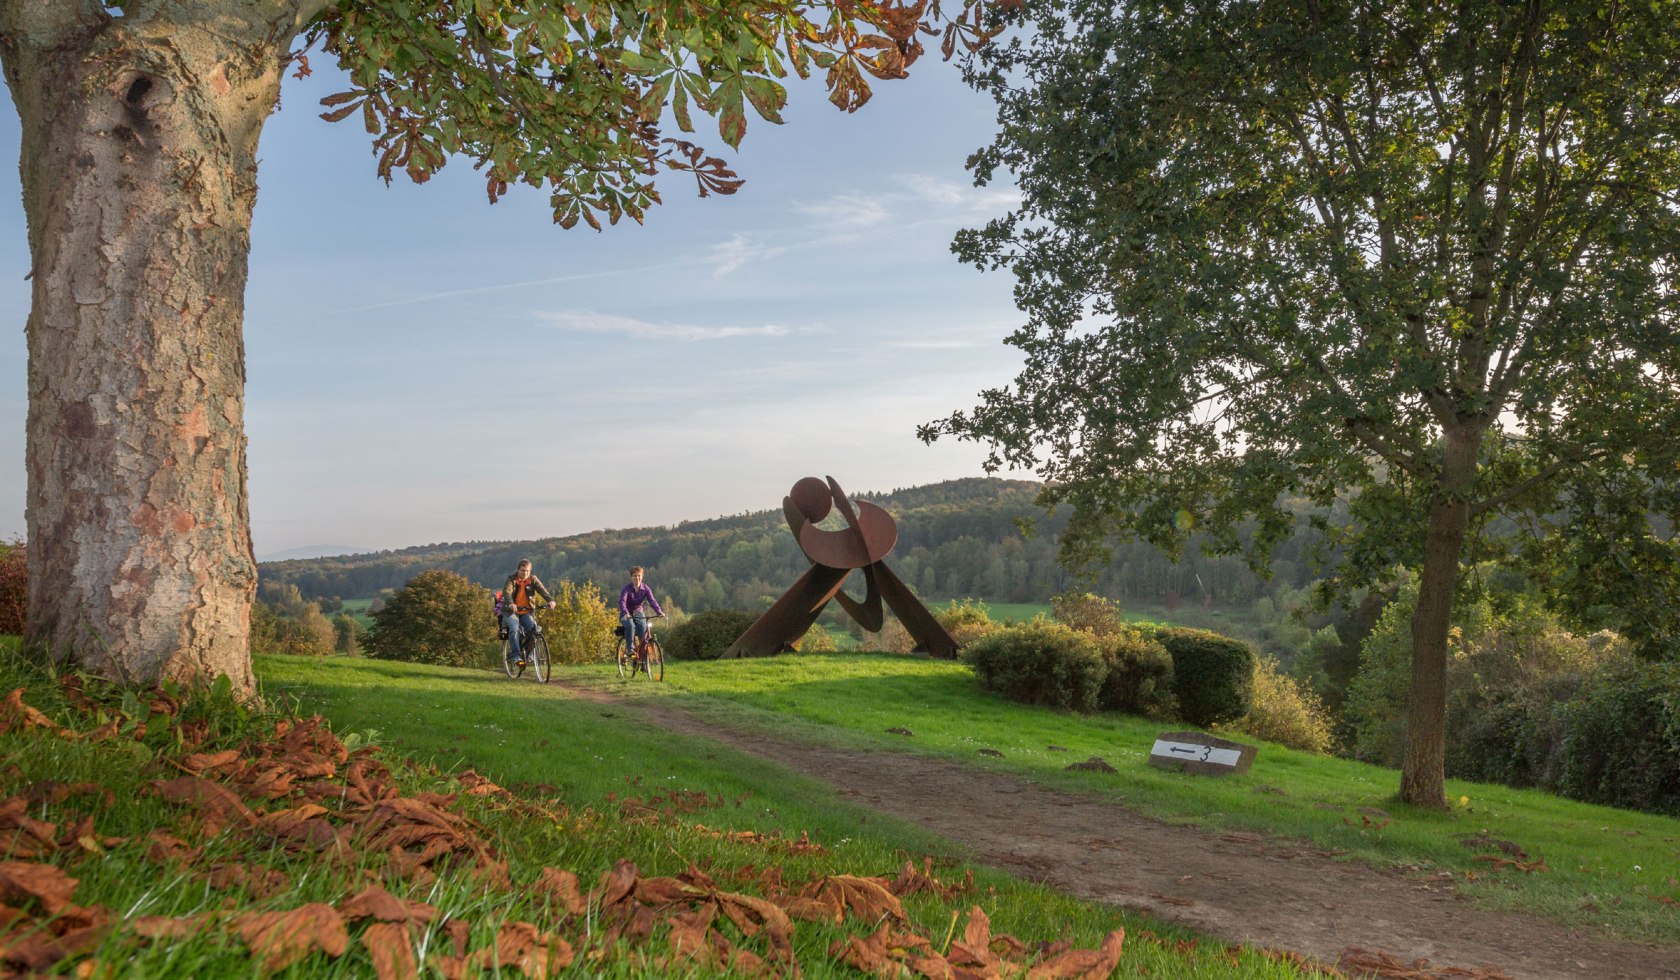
(631, 600)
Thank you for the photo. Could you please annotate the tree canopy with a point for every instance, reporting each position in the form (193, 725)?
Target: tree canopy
(571, 96)
(1418, 256)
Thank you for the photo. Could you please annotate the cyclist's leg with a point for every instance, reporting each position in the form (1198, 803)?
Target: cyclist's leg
(641, 637)
(629, 624)
(511, 621)
(528, 633)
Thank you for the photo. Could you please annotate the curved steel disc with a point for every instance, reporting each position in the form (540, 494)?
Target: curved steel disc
(835, 549)
(812, 498)
(879, 530)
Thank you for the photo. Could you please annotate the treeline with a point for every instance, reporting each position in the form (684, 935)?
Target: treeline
(956, 539)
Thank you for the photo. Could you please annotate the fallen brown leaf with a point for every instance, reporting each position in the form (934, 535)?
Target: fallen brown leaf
(22, 880)
(1083, 964)
(392, 951)
(562, 887)
(283, 938)
(375, 902)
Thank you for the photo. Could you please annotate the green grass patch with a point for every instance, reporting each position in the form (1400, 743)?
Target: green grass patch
(544, 742)
(573, 763)
(1610, 868)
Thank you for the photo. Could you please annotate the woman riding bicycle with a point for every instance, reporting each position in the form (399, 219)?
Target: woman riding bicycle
(631, 599)
(518, 599)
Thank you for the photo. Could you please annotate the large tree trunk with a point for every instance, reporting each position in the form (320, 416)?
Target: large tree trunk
(139, 176)
(1423, 766)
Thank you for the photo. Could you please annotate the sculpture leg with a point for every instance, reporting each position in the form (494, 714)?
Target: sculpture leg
(930, 637)
(791, 616)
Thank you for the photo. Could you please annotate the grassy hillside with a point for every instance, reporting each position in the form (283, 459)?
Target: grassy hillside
(957, 538)
(1614, 869)
(457, 825)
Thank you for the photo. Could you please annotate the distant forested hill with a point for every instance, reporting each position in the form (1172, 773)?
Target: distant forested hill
(956, 539)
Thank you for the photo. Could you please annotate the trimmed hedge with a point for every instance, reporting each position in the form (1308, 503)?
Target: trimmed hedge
(704, 636)
(1041, 663)
(1213, 675)
(1140, 676)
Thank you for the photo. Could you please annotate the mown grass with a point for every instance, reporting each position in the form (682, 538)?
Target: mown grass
(1612, 869)
(543, 741)
(578, 759)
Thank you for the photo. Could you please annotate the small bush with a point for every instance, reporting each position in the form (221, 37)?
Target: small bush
(1623, 747)
(1140, 676)
(705, 635)
(966, 621)
(817, 639)
(893, 638)
(580, 626)
(1041, 663)
(1284, 712)
(1087, 612)
(1213, 675)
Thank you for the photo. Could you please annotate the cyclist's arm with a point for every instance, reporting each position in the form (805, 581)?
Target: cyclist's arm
(654, 602)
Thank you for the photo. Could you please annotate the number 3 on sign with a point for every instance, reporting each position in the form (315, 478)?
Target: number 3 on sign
(1207, 750)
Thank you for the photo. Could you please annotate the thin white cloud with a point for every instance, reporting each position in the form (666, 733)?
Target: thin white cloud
(738, 251)
(961, 197)
(848, 211)
(590, 322)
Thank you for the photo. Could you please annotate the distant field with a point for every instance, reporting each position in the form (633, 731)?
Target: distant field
(1214, 619)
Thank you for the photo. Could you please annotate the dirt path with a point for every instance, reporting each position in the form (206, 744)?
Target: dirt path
(1239, 886)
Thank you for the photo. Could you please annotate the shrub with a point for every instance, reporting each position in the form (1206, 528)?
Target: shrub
(1087, 612)
(1284, 712)
(705, 635)
(14, 588)
(817, 639)
(1041, 663)
(580, 626)
(1213, 675)
(893, 638)
(439, 617)
(1623, 746)
(1140, 676)
(966, 621)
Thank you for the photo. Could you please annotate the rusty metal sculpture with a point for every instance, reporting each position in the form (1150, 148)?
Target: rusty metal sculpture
(868, 536)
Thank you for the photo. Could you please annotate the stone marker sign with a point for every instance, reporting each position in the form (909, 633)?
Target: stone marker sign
(1200, 753)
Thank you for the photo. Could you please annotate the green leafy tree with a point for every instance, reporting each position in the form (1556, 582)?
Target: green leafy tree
(140, 122)
(437, 618)
(348, 634)
(1416, 256)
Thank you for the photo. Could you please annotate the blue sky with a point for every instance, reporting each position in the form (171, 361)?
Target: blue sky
(426, 367)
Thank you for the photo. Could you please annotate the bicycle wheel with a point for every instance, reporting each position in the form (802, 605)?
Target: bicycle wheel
(655, 661)
(624, 661)
(540, 668)
(513, 669)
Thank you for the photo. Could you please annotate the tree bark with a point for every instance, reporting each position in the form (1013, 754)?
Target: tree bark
(139, 178)
(1423, 765)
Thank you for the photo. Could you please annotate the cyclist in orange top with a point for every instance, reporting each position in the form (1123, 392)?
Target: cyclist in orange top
(519, 597)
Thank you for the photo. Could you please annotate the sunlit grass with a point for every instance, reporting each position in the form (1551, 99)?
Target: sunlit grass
(544, 741)
(1608, 867)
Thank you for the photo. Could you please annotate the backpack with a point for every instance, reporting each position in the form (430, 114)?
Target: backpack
(496, 604)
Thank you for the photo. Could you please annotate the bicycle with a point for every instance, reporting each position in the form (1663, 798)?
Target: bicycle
(648, 659)
(535, 655)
